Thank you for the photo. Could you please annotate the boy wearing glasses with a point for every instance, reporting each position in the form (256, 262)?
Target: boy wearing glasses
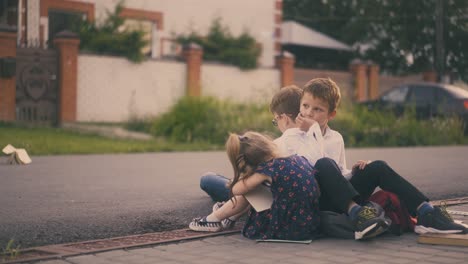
(294, 140)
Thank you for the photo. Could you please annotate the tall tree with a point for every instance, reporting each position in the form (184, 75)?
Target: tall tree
(399, 35)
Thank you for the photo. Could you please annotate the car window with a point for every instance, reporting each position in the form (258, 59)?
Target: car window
(421, 94)
(396, 95)
(442, 97)
(456, 91)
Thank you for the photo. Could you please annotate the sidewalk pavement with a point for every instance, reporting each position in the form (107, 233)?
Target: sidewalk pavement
(234, 248)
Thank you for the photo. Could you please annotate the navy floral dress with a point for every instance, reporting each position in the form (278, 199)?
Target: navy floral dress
(294, 214)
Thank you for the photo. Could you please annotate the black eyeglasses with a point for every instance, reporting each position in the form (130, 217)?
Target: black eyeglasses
(274, 122)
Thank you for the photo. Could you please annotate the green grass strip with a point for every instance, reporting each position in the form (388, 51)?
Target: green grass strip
(56, 141)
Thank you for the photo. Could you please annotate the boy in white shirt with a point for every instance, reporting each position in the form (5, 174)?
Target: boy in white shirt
(319, 102)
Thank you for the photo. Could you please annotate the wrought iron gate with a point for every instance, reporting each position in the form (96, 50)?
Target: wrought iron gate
(36, 85)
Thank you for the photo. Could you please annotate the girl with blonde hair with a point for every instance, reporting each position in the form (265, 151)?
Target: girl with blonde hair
(294, 213)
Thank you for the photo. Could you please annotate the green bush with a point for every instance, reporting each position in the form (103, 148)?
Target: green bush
(363, 128)
(220, 45)
(107, 39)
(206, 119)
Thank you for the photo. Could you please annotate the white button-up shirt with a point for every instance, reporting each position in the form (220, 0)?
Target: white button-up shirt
(313, 146)
(333, 148)
(308, 144)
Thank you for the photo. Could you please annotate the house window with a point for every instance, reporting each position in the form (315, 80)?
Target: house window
(9, 12)
(63, 20)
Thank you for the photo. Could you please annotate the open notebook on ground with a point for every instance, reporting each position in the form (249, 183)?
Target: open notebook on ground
(19, 156)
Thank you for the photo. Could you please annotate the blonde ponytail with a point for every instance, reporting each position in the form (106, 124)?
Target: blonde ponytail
(246, 152)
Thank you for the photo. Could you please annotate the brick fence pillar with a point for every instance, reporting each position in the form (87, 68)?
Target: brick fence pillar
(430, 76)
(67, 44)
(373, 80)
(358, 70)
(7, 82)
(285, 63)
(193, 54)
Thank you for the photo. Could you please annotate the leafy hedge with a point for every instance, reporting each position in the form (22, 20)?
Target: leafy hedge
(362, 128)
(109, 39)
(207, 119)
(220, 45)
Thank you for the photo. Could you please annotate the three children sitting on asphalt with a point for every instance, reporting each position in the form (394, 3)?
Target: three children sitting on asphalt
(302, 116)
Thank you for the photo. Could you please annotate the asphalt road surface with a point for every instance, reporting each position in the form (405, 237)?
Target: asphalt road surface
(60, 199)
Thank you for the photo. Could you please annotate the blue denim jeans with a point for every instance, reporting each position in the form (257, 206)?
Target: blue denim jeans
(215, 186)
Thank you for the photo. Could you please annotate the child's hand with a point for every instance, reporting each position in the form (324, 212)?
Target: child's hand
(304, 123)
(360, 165)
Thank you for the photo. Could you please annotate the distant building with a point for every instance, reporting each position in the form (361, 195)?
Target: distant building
(313, 49)
(46, 78)
(39, 20)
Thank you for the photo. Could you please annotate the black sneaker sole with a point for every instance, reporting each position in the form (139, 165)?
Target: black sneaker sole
(371, 231)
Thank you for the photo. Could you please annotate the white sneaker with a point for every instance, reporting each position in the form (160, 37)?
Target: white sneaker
(202, 225)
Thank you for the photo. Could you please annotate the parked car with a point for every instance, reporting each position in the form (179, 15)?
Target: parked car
(428, 99)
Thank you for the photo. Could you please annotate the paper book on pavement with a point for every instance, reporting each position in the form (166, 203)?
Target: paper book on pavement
(22, 156)
(285, 241)
(9, 149)
(19, 156)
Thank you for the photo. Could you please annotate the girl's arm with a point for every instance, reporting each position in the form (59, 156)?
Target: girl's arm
(244, 186)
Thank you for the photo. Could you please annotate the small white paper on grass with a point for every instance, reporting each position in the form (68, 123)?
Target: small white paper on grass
(9, 149)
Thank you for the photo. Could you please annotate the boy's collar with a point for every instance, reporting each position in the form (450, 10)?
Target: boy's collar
(292, 131)
(324, 133)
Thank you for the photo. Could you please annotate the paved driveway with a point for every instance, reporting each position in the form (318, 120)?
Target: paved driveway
(60, 199)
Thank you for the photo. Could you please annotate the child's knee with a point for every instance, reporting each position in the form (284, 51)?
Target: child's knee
(378, 164)
(324, 162)
(206, 179)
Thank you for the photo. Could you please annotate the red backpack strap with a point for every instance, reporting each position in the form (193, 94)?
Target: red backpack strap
(395, 210)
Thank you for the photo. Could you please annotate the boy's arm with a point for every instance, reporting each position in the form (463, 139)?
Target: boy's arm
(286, 146)
(315, 137)
(289, 144)
(304, 123)
(312, 147)
(244, 186)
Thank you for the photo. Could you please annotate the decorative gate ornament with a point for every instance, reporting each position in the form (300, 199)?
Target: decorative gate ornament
(36, 86)
(35, 80)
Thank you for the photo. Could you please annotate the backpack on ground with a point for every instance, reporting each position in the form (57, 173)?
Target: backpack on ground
(396, 211)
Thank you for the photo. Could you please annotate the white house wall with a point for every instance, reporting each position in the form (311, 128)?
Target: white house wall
(182, 16)
(227, 82)
(114, 90)
(32, 21)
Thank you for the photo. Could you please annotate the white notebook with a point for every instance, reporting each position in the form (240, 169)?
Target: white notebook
(19, 156)
(260, 198)
(285, 241)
